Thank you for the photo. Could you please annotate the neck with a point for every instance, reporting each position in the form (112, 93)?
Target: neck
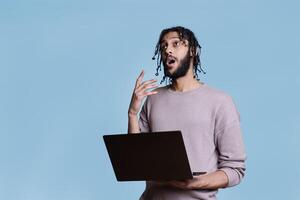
(186, 83)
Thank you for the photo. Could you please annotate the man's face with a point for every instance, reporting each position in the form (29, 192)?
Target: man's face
(175, 55)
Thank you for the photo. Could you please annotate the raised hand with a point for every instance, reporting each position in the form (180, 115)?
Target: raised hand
(141, 90)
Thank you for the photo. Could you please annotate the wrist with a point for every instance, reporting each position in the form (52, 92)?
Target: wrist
(214, 180)
(132, 114)
(203, 182)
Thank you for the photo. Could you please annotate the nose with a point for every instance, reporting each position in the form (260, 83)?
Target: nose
(169, 50)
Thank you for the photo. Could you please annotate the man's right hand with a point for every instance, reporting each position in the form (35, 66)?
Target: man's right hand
(139, 93)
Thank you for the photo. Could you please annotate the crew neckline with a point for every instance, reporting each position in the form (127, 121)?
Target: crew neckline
(203, 85)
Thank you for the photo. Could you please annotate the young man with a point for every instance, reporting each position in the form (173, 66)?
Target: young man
(207, 118)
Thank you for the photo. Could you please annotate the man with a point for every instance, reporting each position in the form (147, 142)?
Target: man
(207, 118)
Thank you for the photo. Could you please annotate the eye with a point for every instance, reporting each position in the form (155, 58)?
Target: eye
(163, 47)
(176, 43)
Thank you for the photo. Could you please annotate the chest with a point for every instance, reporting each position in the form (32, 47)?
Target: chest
(181, 114)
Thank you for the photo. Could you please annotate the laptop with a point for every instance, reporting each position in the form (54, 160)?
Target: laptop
(155, 156)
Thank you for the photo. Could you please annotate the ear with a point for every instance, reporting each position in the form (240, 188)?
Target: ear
(194, 54)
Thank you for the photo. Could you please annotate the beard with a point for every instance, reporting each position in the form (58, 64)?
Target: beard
(183, 68)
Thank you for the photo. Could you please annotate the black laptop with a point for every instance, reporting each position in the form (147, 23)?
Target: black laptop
(156, 156)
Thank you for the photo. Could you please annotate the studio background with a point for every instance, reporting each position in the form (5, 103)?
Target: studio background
(68, 68)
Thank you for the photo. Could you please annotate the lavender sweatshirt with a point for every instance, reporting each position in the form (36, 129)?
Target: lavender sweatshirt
(210, 125)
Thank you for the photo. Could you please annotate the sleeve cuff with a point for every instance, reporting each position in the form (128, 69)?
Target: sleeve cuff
(232, 175)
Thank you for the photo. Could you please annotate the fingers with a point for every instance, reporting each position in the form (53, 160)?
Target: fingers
(185, 185)
(150, 93)
(178, 184)
(148, 82)
(142, 93)
(146, 85)
(141, 88)
(139, 79)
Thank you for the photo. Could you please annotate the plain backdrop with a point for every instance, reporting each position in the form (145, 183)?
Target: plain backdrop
(67, 71)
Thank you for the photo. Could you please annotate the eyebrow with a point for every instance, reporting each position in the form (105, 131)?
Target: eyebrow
(170, 38)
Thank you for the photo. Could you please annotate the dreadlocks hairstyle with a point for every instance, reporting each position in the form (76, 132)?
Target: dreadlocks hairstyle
(194, 47)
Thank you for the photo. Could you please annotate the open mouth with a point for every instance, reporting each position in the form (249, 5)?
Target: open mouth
(170, 60)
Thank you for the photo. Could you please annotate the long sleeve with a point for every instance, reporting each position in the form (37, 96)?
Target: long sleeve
(229, 142)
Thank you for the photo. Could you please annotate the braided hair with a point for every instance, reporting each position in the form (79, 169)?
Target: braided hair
(194, 47)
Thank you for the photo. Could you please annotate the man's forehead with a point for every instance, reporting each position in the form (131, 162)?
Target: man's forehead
(170, 36)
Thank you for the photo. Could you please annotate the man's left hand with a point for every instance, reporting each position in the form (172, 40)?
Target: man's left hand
(214, 180)
(198, 182)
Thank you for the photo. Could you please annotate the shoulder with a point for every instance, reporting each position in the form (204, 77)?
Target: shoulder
(217, 95)
(224, 104)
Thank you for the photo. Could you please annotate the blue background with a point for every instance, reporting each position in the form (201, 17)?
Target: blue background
(67, 70)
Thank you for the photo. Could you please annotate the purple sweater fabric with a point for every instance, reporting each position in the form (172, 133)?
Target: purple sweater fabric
(210, 125)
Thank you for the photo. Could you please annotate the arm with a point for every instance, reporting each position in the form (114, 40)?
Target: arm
(139, 93)
(231, 155)
(214, 180)
(229, 142)
(133, 123)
